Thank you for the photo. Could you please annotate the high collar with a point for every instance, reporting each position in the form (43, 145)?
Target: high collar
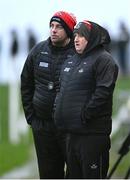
(57, 48)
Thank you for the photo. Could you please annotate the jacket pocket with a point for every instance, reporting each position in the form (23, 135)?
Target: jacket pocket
(84, 117)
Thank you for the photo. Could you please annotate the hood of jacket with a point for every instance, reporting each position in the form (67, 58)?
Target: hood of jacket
(95, 34)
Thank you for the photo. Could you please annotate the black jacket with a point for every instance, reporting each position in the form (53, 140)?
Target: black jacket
(84, 103)
(40, 80)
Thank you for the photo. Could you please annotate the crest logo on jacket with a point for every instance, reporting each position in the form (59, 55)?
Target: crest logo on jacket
(67, 69)
(81, 70)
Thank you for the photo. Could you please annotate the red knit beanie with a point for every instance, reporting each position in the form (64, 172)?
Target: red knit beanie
(67, 20)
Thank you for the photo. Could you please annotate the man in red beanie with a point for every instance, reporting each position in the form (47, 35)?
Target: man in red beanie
(39, 84)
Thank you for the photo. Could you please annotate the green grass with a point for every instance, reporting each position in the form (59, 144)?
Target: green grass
(4, 113)
(123, 83)
(117, 142)
(12, 155)
(122, 90)
(122, 167)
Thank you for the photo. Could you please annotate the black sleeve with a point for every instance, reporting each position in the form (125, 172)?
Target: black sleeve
(106, 72)
(27, 88)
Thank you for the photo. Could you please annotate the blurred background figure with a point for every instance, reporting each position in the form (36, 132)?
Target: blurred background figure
(32, 39)
(14, 47)
(122, 47)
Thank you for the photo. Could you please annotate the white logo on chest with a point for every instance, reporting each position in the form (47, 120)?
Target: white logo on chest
(81, 70)
(67, 69)
(70, 62)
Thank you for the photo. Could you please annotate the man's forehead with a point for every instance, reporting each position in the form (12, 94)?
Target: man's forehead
(56, 23)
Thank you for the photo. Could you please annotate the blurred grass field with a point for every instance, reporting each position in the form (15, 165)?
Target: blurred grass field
(11, 155)
(14, 155)
(121, 93)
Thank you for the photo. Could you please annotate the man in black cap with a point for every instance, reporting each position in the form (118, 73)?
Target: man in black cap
(39, 84)
(84, 103)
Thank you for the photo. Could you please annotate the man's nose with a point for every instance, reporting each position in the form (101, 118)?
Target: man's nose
(76, 39)
(54, 29)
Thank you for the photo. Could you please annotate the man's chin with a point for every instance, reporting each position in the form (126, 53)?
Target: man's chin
(54, 40)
